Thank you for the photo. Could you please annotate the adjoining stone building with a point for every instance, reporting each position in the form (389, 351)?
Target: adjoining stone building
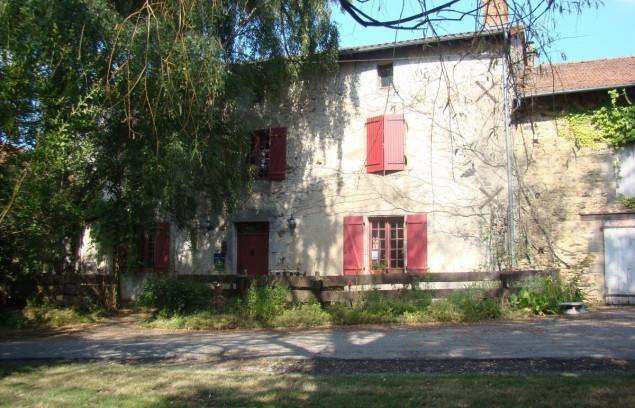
(569, 212)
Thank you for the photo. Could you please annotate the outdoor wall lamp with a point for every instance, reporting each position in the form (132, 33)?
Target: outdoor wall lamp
(291, 223)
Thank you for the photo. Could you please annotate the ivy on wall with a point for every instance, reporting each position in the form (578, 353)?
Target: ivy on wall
(612, 124)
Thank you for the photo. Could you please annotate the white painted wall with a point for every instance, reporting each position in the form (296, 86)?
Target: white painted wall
(453, 145)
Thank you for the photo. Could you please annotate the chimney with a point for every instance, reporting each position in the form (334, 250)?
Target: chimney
(495, 13)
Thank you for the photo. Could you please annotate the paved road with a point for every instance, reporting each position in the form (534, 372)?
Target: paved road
(609, 333)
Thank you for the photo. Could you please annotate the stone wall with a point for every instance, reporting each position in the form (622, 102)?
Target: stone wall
(565, 195)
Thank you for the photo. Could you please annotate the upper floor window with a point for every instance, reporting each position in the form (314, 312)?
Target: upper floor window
(385, 144)
(385, 75)
(269, 153)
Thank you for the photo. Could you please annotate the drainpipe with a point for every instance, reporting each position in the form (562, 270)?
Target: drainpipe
(508, 154)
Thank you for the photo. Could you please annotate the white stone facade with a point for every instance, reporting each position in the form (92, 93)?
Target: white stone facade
(451, 99)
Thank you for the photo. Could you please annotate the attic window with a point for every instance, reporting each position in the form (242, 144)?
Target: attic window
(385, 75)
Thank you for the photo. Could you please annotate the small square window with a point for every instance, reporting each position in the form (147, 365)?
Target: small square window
(385, 75)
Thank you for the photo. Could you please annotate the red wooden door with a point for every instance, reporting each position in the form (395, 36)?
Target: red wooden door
(253, 248)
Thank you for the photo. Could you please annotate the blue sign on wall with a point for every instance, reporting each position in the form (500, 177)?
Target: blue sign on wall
(219, 261)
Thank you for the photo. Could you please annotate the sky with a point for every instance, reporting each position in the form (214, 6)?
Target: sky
(604, 32)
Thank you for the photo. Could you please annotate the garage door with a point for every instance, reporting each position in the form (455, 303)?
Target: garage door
(619, 265)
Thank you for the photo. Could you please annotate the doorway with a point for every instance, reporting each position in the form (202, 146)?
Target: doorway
(253, 248)
(619, 265)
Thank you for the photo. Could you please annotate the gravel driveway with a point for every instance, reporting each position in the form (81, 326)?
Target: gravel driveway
(607, 334)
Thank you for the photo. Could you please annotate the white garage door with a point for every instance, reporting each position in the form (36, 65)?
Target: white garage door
(619, 265)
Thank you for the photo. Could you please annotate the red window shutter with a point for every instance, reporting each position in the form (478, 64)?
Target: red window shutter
(162, 248)
(353, 245)
(417, 242)
(278, 154)
(375, 144)
(394, 130)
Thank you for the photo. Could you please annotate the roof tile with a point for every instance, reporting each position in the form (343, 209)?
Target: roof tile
(581, 76)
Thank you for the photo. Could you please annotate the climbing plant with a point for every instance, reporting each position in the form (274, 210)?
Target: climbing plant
(612, 124)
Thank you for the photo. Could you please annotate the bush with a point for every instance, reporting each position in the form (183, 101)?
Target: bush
(375, 307)
(469, 305)
(43, 316)
(407, 302)
(306, 315)
(474, 305)
(263, 303)
(443, 310)
(205, 320)
(171, 295)
(543, 295)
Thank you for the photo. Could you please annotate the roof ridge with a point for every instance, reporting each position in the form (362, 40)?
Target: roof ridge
(420, 40)
(560, 64)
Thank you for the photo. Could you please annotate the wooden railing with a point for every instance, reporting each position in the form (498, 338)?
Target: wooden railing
(341, 289)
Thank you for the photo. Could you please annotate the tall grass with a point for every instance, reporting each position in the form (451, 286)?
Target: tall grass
(543, 295)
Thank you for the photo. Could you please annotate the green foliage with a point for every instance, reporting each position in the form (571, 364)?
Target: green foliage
(628, 202)
(119, 112)
(171, 295)
(544, 295)
(203, 320)
(375, 307)
(44, 316)
(264, 303)
(612, 124)
(469, 305)
(304, 315)
(443, 310)
(407, 301)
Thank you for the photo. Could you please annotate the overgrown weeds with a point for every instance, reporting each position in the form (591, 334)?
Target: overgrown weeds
(269, 305)
(264, 303)
(543, 295)
(46, 316)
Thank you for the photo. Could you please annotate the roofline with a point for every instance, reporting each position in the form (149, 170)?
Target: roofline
(575, 90)
(420, 41)
(550, 66)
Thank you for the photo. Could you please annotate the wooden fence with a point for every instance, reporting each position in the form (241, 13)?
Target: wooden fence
(74, 289)
(77, 289)
(343, 289)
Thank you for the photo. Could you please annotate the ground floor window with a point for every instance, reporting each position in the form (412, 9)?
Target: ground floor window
(387, 243)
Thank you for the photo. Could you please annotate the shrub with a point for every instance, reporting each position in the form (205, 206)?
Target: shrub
(474, 305)
(543, 295)
(443, 310)
(469, 305)
(205, 320)
(306, 315)
(171, 295)
(375, 307)
(408, 301)
(43, 316)
(263, 303)
(347, 315)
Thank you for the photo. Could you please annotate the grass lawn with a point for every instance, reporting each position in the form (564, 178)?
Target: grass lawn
(144, 385)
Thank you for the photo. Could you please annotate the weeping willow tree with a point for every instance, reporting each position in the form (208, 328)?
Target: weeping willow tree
(111, 110)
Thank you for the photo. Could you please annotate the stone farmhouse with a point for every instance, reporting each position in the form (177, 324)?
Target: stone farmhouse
(406, 160)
